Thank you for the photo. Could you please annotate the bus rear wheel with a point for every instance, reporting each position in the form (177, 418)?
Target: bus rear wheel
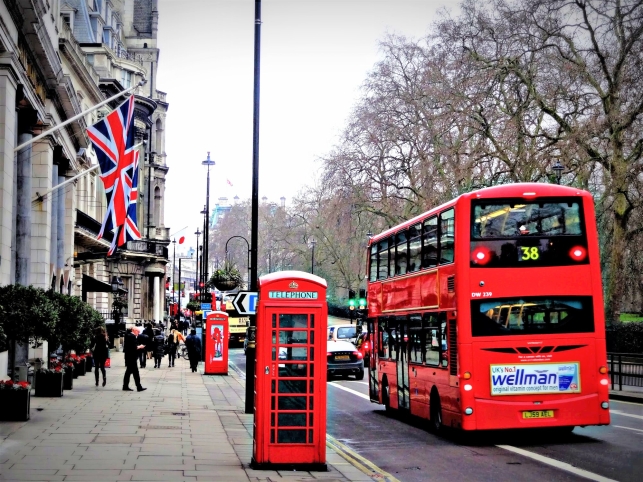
(435, 422)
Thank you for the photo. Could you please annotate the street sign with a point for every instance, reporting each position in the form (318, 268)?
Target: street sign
(246, 302)
(206, 306)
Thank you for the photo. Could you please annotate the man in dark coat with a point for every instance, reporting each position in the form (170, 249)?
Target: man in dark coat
(193, 344)
(131, 351)
(143, 339)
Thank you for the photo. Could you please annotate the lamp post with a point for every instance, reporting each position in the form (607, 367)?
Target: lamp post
(206, 236)
(180, 259)
(248, 244)
(558, 169)
(197, 281)
(205, 218)
(173, 269)
(313, 242)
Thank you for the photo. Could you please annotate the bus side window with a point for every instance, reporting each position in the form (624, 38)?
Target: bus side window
(430, 243)
(382, 345)
(393, 343)
(433, 347)
(382, 259)
(443, 341)
(415, 248)
(373, 265)
(447, 236)
(416, 342)
(402, 249)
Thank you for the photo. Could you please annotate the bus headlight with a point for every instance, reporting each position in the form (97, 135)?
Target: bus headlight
(605, 405)
(468, 388)
(604, 381)
(468, 411)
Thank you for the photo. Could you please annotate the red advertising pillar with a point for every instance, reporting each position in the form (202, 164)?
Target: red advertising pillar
(216, 343)
(290, 388)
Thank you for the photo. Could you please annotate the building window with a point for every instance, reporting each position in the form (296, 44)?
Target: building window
(68, 19)
(126, 78)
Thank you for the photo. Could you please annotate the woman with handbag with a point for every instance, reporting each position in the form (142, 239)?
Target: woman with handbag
(100, 352)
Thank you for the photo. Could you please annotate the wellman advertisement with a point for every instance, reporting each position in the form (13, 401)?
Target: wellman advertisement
(522, 379)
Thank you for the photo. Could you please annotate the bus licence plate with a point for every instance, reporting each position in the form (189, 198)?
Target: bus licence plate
(538, 414)
(342, 357)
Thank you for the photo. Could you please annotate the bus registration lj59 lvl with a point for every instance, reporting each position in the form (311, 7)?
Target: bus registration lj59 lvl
(487, 312)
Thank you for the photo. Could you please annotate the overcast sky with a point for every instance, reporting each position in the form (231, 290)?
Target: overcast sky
(315, 54)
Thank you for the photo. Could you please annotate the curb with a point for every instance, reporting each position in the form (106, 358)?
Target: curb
(626, 398)
(357, 461)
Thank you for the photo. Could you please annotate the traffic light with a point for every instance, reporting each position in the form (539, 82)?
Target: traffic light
(362, 299)
(351, 299)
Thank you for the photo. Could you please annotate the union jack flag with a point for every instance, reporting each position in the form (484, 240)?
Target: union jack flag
(113, 140)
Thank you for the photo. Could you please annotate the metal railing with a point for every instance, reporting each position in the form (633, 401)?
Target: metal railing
(626, 369)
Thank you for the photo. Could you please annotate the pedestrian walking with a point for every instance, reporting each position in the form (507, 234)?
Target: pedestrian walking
(149, 331)
(100, 352)
(143, 339)
(159, 348)
(131, 351)
(173, 340)
(185, 324)
(193, 344)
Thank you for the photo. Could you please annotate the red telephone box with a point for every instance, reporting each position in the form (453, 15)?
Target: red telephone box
(216, 343)
(290, 388)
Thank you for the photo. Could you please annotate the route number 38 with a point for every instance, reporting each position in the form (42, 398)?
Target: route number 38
(529, 253)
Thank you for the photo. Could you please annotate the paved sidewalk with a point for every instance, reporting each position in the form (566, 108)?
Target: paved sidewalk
(184, 427)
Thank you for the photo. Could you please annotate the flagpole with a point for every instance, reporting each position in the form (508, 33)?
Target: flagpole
(41, 197)
(78, 116)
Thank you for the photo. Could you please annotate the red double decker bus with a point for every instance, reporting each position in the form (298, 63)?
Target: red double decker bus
(487, 312)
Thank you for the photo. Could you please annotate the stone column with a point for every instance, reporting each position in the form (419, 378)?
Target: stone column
(8, 86)
(53, 250)
(42, 162)
(157, 299)
(60, 230)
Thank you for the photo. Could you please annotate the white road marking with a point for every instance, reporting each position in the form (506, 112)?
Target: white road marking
(618, 412)
(349, 390)
(628, 428)
(556, 463)
(623, 401)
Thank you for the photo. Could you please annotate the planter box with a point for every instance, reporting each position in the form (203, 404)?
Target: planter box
(49, 384)
(79, 368)
(68, 378)
(15, 405)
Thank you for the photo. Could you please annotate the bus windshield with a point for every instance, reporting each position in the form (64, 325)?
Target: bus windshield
(517, 219)
(521, 316)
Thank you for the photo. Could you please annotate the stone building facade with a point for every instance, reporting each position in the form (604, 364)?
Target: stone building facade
(59, 58)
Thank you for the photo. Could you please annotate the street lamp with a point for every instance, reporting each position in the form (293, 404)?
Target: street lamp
(558, 169)
(205, 217)
(197, 281)
(173, 269)
(206, 236)
(248, 244)
(180, 259)
(313, 242)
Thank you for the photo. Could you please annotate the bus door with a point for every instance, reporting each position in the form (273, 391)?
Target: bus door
(373, 386)
(402, 363)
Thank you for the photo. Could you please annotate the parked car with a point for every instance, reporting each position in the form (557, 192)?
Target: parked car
(342, 332)
(344, 359)
(363, 344)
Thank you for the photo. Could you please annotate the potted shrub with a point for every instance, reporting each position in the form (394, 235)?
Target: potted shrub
(15, 401)
(68, 376)
(226, 278)
(49, 383)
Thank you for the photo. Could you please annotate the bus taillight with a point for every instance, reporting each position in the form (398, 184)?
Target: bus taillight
(481, 256)
(578, 253)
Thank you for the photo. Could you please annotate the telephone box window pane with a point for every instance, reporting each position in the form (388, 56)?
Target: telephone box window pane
(273, 386)
(274, 337)
(274, 353)
(272, 419)
(312, 387)
(294, 354)
(312, 321)
(272, 436)
(310, 436)
(312, 337)
(312, 354)
(312, 369)
(293, 337)
(292, 370)
(274, 320)
(272, 403)
(292, 403)
(291, 436)
(292, 419)
(311, 419)
(292, 386)
(311, 404)
(293, 321)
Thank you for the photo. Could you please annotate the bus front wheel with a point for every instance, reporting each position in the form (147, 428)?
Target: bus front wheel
(436, 413)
